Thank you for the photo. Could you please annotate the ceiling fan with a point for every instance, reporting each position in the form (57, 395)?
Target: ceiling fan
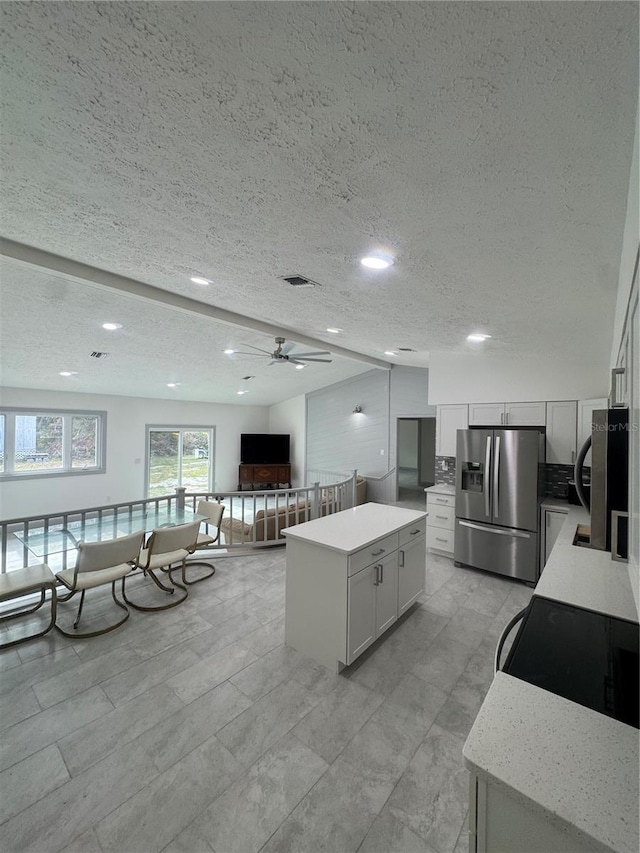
(282, 354)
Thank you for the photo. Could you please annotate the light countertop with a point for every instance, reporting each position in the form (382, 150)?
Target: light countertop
(556, 503)
(355, 528)
(441, 489)
(578, 767)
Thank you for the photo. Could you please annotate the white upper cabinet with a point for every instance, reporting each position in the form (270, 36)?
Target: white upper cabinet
(449, 419)
(562, 419)
(525, 414)
(507, 414)
(486, 414)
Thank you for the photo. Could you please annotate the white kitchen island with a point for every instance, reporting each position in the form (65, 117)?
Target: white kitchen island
(350, 576)
(548, 774)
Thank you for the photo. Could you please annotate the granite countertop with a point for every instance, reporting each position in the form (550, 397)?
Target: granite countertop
(354, 528)
(576, 767)
(441, 489)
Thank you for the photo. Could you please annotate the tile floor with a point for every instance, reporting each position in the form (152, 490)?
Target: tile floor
(197, 729)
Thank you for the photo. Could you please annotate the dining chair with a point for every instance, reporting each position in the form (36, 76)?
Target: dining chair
(214, 512)
(165, 547)
(99, 563)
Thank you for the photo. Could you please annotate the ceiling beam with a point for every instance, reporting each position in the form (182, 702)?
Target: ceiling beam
(30, 256)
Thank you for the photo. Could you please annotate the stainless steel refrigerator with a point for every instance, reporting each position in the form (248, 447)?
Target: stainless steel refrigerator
(498, 489)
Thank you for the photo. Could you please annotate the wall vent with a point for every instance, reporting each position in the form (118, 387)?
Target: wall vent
(299, 281)
(96, 354)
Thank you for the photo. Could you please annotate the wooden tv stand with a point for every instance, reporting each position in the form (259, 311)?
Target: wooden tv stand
(272, 475)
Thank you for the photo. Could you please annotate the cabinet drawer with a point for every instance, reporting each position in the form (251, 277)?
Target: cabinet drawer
(373, 553)
(414, 531)
(435, 500)
(442, 516)
(439, 538)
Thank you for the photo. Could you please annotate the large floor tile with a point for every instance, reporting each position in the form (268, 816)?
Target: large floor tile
(334, 721)
(48, 726)
(176, 735)
(262, 798)
(210, 671)
(267, 672)
(147, 674)
(390, 835)
(75, 807)
(90, 744)
(28, 781)
(431, 798)
(152, 817)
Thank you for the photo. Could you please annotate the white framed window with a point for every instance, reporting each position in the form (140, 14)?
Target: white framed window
(179, 456)
(51, 442)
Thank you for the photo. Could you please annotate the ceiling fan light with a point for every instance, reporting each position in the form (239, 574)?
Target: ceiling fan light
(198, 279)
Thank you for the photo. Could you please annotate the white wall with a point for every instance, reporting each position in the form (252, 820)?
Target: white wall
(479, 377)
(290, 417)
(127, 418)
(629, 249)
(407, 443)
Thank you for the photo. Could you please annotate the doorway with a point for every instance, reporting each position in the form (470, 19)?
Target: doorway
(416, 458)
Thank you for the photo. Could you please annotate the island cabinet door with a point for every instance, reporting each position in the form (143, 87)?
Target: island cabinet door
(411, 571)
(386, 592)
(361, 618)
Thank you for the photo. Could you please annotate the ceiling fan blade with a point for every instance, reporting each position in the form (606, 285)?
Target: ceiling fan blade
(323, 360)
(305, 354)
(265, 351)
(242, 352)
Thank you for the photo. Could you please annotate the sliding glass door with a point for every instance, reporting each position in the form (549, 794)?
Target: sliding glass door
(179, 456)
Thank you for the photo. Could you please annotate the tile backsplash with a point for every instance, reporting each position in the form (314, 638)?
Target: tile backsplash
(446, 474)
(556, 477)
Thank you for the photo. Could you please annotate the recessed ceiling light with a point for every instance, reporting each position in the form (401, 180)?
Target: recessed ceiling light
(111, 327)
(68, 373)
(241, 392)
(478, 337)
(334, 331)
(300, 366)
(376, 262)
(389, 352)
(172, 384)
(229, 351)
(198, 279)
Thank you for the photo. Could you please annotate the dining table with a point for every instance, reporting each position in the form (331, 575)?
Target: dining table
(58, 539)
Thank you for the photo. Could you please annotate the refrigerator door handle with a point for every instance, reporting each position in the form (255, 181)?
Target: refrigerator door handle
(499, 531)
(496, 478)
(487, 475)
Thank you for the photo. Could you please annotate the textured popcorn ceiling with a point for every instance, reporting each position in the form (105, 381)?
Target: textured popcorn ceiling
(486, 145)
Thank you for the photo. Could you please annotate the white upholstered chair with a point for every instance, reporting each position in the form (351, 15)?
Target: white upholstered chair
(206, 538)
(99, 563)
(165, 547)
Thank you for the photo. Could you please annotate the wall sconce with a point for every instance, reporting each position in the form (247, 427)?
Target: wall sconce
(357, 410)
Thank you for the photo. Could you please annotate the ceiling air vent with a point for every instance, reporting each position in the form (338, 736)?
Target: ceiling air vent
(248, 377)
(405, 349)
(299, 281)
(96, 354)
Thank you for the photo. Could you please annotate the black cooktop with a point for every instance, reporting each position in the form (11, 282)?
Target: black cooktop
(584, 656)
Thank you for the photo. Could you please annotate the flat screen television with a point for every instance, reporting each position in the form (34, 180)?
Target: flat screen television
(264, 449)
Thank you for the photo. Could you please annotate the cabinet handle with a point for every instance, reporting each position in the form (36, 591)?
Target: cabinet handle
(377, 578)
(501, 417)
(381, 573)
(506, 418)
(441, 501)
(417, 530)
(438, 539)
(401, 559)
(443, 517)
(377, 553)
(573, 456)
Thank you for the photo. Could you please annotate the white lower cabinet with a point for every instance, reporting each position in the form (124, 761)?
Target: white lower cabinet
(550, 526)
(501, 823)
(373, 604)
(440, 521)
(411, 566)
(338, 602)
